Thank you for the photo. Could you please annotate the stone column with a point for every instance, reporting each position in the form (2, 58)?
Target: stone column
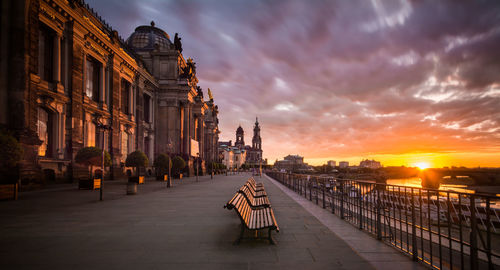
(187, 131)
(131, 100)
(57, 58)
(102, 85)
(201, 137)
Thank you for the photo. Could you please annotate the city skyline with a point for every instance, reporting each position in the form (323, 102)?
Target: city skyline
(400, 82)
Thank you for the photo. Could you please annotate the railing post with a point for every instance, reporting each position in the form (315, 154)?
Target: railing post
(379, 225)
(310, 189)
(323, 187)
(360, 207)
(414, 228)
(317, 193)
(333, 195)
(473, 234)
(342, 199)
(305, 188)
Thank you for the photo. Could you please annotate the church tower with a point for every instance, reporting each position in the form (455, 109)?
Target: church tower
(240, 142)
(256, 140)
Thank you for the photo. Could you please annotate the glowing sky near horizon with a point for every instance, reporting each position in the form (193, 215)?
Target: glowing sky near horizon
(403, 82)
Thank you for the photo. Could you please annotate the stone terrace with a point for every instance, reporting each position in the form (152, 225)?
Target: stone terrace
(184, 227)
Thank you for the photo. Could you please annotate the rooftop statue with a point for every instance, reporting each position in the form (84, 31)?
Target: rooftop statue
(177, 43)
(210, 95)
(200, 91)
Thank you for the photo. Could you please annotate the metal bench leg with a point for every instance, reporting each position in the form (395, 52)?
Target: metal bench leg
(237, 242)
(271, 240)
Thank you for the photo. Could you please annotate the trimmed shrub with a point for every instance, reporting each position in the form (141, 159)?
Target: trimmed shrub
(162, 163)
(137, 159)
(10, 155)
(92, 156)
(178, 164)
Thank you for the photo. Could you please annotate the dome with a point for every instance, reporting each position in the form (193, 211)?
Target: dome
(146, 37)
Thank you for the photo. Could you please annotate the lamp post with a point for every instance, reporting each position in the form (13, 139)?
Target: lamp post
(197, 165)
(260, 168)
(169, 150)
(102, 127)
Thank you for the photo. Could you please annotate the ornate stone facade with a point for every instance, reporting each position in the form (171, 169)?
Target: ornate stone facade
(65, 72)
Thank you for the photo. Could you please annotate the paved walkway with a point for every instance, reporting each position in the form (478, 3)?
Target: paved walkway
(184, 227)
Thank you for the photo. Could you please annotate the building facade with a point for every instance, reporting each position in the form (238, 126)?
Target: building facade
(66, 74)
(292, 163)
(372, 164)
(343, 164)
(332, 163)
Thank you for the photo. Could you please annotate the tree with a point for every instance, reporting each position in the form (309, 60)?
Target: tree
(10, 155)
(178, 164)
(137, 159)
(92, 156)
(162, 163)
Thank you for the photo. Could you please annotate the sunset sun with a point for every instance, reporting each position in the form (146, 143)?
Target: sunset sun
(422, 165)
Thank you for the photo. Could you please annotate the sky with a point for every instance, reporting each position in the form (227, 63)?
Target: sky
(402, 82)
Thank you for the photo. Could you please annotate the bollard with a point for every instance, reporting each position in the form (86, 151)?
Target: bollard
(131, 188)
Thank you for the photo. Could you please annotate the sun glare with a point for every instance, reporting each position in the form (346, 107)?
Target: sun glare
(422, 165)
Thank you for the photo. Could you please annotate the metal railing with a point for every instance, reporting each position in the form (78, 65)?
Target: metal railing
(444, 229)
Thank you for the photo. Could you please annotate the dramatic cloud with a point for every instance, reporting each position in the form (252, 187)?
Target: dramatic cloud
(340, 79)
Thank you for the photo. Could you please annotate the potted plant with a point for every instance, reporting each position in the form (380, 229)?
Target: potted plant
(138, 160)
(178, 164)
(90, 157)
(163, 164)
(10, 155)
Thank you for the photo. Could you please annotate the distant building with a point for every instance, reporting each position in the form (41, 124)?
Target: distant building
(343, 164)
(372, 164)
(232, 156)
(332, 163)
(292, 163)
(253, 153)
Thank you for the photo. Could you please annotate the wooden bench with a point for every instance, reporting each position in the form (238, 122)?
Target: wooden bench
(260, 193)
(255, 202)
(254, 219)
(252, 181)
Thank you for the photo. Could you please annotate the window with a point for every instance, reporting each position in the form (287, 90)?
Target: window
(147, 108)
(92, 68)
(45, 52)
(44, 127)
(146, 146)
(90, 135)
(125, 94)
(124, 144)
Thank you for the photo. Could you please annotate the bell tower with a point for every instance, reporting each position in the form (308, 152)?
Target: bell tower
(240, 142)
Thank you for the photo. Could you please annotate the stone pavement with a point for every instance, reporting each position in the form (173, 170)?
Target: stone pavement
(184, 227)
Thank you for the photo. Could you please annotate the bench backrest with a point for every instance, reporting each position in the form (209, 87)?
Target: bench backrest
(248, 193)
(244, 210)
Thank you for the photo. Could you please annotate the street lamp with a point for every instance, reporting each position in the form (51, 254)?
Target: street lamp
(169, 150)
(197, 167)
(102, 127)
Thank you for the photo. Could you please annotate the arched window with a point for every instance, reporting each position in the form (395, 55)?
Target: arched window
(45, 134)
